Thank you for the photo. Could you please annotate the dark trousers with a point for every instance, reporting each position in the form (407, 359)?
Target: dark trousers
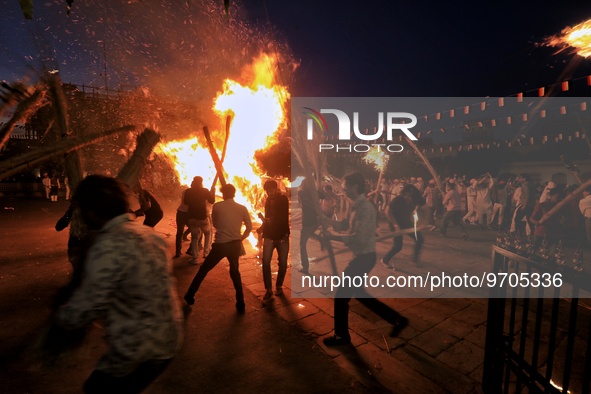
(229, 250)
(100, 382)
(456, 218)
(359, 266)
(182, 220)
(397, 247)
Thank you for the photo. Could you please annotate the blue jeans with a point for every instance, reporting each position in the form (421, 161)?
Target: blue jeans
(199, 227)
(282, 247)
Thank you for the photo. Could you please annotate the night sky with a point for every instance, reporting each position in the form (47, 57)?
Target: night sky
(341, 48)
(426, 48)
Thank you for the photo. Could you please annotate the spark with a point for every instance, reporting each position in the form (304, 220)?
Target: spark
(577, 37)
(416, 219)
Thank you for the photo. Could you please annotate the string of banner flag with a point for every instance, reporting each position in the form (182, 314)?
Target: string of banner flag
(427, 124)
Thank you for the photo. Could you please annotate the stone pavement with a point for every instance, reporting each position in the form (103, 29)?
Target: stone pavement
(441, 350)
(275, 347)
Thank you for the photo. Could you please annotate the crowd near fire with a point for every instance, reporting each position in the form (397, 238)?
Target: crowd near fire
(203, 190)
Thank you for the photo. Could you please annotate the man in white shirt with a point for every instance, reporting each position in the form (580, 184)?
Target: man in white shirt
(228, 217)
(471, 215)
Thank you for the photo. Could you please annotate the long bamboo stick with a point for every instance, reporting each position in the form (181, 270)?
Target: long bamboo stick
(226, 138)
(15, 165)
(214, 156)
(427, 164)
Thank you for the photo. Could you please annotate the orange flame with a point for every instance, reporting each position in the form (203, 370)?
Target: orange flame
(577, 37)
(377, 157)
(258, 113)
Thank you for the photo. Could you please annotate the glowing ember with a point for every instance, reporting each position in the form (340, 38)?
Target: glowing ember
(377, 157)
(558, 386)
(257, 109)
(577, 37)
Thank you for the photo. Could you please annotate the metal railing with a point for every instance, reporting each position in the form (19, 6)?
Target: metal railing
(537, 344)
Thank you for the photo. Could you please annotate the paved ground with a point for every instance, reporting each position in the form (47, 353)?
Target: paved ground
(272, 348)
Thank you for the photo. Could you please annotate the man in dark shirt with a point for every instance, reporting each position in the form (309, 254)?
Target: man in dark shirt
(196, 198)
(275, 236)
(401, 214)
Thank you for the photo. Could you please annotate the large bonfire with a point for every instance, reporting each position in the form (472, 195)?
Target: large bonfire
(257, 110)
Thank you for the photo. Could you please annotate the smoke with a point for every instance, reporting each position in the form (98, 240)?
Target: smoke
(180, 51)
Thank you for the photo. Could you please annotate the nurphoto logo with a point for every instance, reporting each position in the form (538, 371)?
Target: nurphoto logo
(394, 121)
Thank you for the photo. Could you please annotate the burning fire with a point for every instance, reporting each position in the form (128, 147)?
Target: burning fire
(377, 157)
(578, 37)
(258, 113)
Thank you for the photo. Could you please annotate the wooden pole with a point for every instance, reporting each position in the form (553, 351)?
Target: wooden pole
(227, 137)
(15, 165)
(427, 164)
(214, 156)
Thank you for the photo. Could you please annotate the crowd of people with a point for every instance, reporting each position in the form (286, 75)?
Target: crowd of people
(52, 184)
(536, 214)
(120, 264)
(510, 204)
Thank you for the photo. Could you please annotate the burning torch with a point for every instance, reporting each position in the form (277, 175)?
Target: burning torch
(379, 159)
